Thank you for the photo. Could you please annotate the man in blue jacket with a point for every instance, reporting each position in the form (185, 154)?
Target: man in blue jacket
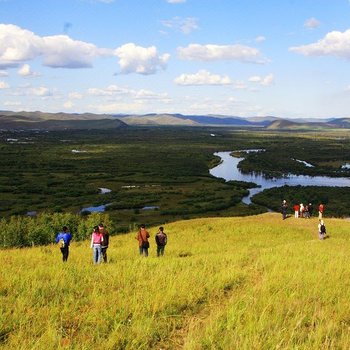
(63, 239)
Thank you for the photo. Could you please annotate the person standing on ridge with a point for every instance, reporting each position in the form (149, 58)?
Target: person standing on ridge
(284, 209)
(96, 243)
(63, 239)
(296, 210)
(142, 236)
(161, 240)
(105, 242)
(320, 211)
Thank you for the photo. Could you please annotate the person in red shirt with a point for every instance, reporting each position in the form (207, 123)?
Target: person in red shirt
(320, 211)
(296, 208)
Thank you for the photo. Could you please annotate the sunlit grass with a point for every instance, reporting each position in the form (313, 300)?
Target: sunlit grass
(224, 283)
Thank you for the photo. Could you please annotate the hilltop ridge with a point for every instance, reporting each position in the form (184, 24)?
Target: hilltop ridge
(57, 121)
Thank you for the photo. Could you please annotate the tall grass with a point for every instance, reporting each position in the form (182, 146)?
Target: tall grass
(224, 283)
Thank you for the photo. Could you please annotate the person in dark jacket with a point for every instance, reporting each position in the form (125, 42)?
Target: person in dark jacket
(64, 238)
(105, 242)
(161, 240)
(284, 209)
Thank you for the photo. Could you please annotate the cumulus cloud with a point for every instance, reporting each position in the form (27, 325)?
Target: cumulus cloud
(40, 91)
(184, 25)
(333, 44)
(265, 81)
(312, 23)
(26, 71)
(142, 60)
(19, 45)
(121, 92)
(202, 77)
(3, 73)
(260, 39)
(220, 52)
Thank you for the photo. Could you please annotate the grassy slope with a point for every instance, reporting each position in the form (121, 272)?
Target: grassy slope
(225, 283)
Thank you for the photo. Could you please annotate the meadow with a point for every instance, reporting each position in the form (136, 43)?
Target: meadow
(254, 282)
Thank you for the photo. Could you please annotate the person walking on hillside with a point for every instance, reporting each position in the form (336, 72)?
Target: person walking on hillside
(284, 209)
(105, 241)
(142, 236)
(321, 230)
(296, 210)
(320, 211)
(301, 210)
(161, 240)
(96, 243)
(63, 239)
(310, 209)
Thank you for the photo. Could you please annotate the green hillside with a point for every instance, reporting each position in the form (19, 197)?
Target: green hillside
(253, 282)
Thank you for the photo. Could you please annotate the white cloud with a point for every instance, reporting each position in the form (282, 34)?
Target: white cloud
(333, 44)
(3, 85)
(3, 73)
(142, 60)
(68, 105)
(184, 25)
(25, 71)
(19, 45)
(40, 91)
(63, 52)
(265, 81)
(255, 79)
(176, 1)
(123, 93)
(268, 80)
(312, 23)
(202, 77)
(220, 52)
(260, 39)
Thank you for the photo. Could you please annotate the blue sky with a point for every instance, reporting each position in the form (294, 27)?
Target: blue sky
(287, 58)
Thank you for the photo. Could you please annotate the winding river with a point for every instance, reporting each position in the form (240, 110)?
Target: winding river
(228, 170)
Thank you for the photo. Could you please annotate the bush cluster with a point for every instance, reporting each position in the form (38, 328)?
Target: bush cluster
(23, 231)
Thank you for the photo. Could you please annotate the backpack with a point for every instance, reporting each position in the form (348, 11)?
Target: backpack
(162, 239)
(61, 243)
(323, 229)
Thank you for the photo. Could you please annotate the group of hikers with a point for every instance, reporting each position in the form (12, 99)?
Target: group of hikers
(100, 242)
(306, 211)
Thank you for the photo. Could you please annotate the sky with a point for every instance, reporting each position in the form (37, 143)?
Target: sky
(283, 58)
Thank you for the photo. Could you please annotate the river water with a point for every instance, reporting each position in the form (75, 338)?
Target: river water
(228, 170)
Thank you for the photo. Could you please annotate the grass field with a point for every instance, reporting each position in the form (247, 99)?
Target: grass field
(256, 282)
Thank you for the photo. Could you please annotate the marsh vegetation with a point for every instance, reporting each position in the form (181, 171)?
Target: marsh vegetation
(165, 168)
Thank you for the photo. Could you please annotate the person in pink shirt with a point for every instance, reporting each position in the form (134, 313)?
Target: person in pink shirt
(96, 243)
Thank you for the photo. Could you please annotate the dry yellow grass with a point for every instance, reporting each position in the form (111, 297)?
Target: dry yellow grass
(224, 283)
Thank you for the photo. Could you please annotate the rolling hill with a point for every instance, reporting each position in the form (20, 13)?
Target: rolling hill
(255, 282)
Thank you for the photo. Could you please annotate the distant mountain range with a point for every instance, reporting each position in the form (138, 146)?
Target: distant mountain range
(62, 121)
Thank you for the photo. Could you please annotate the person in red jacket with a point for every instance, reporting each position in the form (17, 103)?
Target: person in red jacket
(142, 236)
(320, 211)
(296, 208)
